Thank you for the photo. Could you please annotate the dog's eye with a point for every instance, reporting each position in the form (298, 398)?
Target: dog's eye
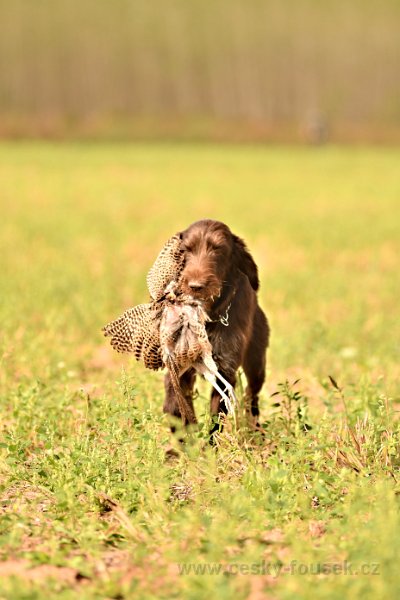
(215, 247)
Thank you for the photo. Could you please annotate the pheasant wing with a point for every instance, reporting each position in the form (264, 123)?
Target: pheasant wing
(167, 267)
(137, 331)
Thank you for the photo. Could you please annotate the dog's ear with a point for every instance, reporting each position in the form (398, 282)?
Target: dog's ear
(245, 262)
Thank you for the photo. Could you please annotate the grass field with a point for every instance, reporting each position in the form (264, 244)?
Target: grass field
(95, 503)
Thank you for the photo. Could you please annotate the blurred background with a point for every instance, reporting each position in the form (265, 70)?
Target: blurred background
(121, 122)
(268, 70)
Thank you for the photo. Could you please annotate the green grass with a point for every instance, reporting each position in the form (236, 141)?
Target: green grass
(93, 500)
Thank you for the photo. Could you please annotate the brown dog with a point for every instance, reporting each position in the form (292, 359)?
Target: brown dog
(220, 272)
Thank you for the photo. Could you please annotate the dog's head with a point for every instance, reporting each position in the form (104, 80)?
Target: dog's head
(213, 257)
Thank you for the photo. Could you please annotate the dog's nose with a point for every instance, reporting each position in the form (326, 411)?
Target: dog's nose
(195, 286)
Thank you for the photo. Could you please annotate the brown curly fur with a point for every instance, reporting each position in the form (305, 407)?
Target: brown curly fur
(220, 271)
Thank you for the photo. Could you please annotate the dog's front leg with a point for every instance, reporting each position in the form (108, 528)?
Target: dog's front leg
(186, 382)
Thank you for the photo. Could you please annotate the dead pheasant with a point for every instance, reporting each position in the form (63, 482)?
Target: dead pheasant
(170, 331)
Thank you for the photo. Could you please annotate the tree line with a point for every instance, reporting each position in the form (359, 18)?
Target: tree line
(281, 69)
